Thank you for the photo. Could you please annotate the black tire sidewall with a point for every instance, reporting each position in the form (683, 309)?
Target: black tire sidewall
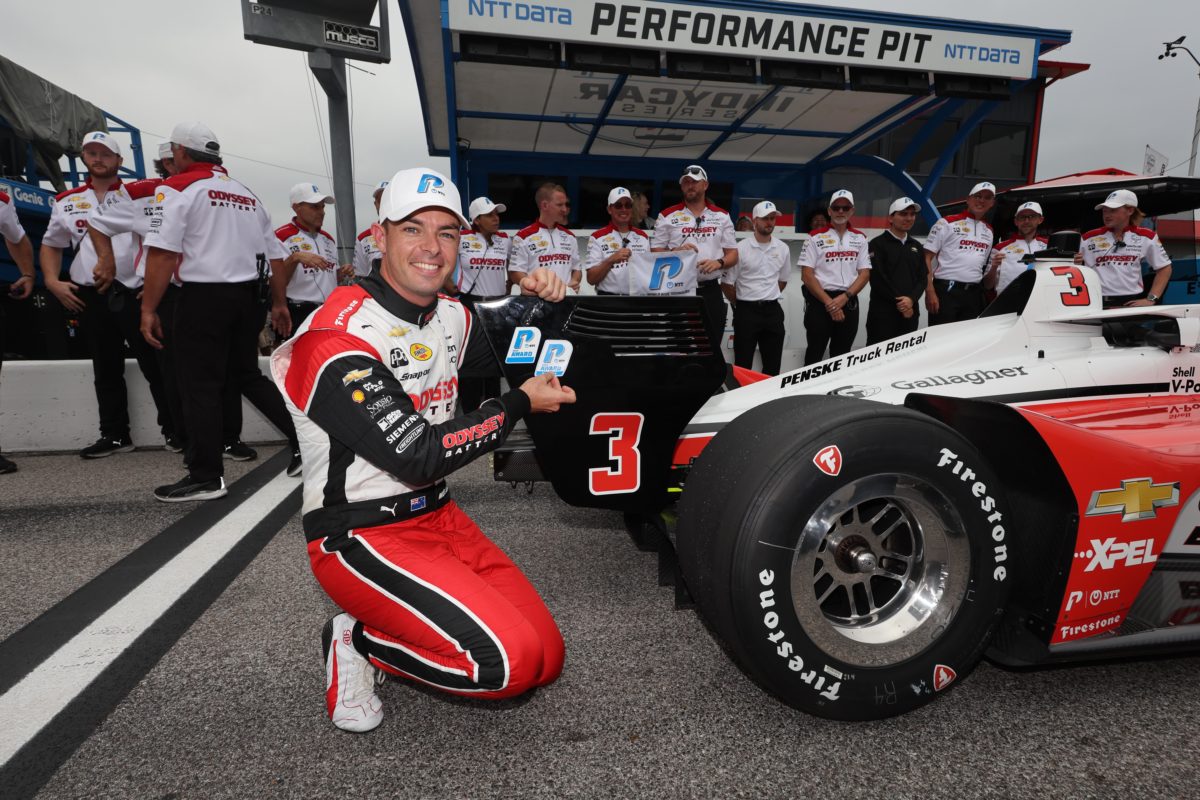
(899, 441)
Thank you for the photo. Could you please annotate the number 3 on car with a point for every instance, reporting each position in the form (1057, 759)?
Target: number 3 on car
(624, 431)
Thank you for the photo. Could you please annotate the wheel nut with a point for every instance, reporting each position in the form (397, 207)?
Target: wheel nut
(864, 560)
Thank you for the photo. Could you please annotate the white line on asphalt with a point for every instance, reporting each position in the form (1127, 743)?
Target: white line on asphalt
(29, 706)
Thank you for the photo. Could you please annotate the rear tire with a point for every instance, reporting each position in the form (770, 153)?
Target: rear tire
(855, 595)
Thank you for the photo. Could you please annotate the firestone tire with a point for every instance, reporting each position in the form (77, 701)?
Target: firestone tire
(851, 556)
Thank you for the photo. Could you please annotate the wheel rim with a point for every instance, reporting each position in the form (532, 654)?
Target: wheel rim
(880, 570)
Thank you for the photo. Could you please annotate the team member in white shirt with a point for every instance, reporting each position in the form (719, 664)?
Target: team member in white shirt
(311, 266)
(1008, 256)
(962, 244)
(754, 286)
(1116, 252)
(696, 224)
(106, 300)
(213, 232)
(21, 250)
(547, 242)
(366, 252)
(483, 251)
(834, 267)
(610, 247)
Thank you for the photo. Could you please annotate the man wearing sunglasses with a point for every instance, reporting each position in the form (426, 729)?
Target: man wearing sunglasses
(962, 244)
(610, 247)
(697, 224)
(1008, 259)
(834, 268)
(1116, 252)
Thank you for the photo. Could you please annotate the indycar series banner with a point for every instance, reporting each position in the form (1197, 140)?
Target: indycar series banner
(662, 274)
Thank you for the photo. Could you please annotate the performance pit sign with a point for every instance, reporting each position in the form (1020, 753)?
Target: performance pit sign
(751, 33)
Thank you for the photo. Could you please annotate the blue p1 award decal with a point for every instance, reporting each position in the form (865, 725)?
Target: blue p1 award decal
(556, 355)
(524, 346)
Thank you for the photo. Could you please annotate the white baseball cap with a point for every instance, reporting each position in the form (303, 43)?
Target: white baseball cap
(308, 193)
(617, 193)
(1030, 206)
(164, 151)
(382, 185)
(484, 205)
(101, 138)
(983, 186)
(1119, 199)
(410, 190)
(842, 193)
(694, 171)
(903, 204)
(196, 136)
(764, 209)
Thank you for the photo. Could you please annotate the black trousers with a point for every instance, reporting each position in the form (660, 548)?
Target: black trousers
(216, 338)
(887, 323)
(714, 311)
(957, 301)
(474, 389)
(110, 321)
(823, 332)
(758, 324)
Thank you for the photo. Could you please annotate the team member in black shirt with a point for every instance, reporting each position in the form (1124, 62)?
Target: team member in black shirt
(898, 276)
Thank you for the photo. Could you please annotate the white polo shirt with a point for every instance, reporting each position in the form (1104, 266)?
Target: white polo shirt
(963, 246)
(1119, 264)
(538, 246)
(309, 284)
(759, 270)
(835, 259)
(365, 253)
(483, 265)
(608, 240)
(10, 224)
(215, 222)
(1013, 250)
(68, 229)
(712, 232)
(130, 213)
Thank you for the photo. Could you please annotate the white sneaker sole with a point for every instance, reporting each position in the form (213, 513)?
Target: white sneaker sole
(212, 494)
(126, 449)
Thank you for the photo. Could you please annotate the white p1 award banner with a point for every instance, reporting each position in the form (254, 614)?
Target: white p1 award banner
(664, 274)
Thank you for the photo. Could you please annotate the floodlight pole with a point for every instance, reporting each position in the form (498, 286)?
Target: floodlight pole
(1171, 48)
(330, 71)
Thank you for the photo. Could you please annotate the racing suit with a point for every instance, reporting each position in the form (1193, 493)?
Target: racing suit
(371, 381)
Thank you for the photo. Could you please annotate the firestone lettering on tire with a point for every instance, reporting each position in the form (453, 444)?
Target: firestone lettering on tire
(987, 504)
(784, 648)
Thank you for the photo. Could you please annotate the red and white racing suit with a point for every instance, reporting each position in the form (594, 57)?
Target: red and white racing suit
(371, 382)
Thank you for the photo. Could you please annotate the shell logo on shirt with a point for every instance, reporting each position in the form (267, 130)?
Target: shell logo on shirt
(159, 197)
(420, 352)
(306, 246)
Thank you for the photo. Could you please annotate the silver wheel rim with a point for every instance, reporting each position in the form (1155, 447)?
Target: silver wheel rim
(880, 569)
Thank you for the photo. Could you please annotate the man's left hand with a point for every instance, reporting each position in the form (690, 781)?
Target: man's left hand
(545, 284)
(104, 273)
(708, 265)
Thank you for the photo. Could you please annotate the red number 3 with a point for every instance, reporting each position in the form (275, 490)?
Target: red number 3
(1078, 297)
(624, 432)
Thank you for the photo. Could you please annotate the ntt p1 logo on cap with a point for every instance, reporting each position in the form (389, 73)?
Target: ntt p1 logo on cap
(429, 183)
(524, 346)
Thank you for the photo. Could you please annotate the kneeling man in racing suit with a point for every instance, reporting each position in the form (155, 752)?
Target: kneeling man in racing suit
(371, 381)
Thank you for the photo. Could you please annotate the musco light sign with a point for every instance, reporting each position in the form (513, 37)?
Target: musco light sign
(343, 35)
(798, 37)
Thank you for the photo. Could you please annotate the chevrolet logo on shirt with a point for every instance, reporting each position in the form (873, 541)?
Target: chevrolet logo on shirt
(1138, 498)
(356, 375)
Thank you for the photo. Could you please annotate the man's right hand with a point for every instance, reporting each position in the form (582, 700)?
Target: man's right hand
(104, 273)
(281, 321)
(931, 300)
(546, 393)
(65, 292)
(312, 260)
(151, 329)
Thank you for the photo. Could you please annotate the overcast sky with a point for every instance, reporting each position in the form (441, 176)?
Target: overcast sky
(157, 63)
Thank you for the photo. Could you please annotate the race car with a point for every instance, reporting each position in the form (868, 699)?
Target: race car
(859, 533)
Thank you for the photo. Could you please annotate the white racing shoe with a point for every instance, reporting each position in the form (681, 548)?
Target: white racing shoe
(350, 680)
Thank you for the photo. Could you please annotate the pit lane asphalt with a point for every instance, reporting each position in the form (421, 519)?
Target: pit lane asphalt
(648, 706)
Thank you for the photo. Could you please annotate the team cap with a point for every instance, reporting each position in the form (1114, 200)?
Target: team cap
(484, 205)
(164, 151)
(983, 186)
(764, 209)
(842, 193)
(101, 138)
(617, 193)
(410, 190)
(308, 193)
(1030, 206)
(695, 172)
(1119, 199)
(903, 204)
(382, 185)
(196, 136)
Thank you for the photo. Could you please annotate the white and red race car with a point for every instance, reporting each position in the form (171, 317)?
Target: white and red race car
(859, 533)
